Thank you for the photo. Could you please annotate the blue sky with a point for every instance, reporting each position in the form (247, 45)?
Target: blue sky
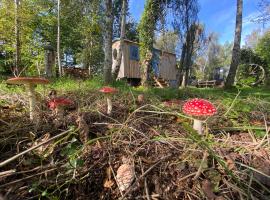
(217, 16)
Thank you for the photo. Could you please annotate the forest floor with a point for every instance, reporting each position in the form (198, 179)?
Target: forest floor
(154, 145)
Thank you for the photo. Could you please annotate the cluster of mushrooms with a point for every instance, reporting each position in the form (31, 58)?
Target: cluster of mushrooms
(198, 108)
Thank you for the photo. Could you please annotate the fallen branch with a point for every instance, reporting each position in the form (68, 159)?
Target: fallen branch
(26, 178)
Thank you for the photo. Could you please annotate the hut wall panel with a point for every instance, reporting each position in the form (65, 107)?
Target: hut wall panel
(134, 69)
(167, 66)
(126, 60)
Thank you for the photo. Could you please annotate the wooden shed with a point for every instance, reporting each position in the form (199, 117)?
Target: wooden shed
(163, 63)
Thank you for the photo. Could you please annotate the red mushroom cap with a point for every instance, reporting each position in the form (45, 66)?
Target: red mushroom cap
(199, 107)
(108, 90)
(54, 103)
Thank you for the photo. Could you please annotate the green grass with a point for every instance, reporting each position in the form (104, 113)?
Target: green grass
(68, 85)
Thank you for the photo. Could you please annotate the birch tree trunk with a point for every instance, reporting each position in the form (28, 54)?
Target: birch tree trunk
(236, 47)
(107, 70)
(122, 37)
(58, 39)
(17, 37)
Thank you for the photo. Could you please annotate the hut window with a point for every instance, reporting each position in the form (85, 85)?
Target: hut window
(134, 52)
(114, 54)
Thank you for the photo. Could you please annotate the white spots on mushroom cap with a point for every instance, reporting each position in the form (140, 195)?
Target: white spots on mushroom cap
(199, 107)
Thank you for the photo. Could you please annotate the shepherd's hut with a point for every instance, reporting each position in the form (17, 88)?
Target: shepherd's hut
(163, 63)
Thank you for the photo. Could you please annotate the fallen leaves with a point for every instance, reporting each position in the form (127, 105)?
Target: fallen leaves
(46, 149)
(108, 183)
(208, 190)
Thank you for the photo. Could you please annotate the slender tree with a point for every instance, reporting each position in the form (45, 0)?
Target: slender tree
(236, 47)
(193, 37)
(264, 9)
(147, 25)
(58, 39)
(107, 70)
(185, 19)
(122, 37)
(17, 38)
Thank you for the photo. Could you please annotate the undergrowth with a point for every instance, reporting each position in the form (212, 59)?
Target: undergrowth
(171, 161)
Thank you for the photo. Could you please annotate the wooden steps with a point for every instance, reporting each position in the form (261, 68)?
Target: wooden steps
(160, 82)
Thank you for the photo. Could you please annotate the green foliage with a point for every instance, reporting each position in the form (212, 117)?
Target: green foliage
(248, 57)
(167, 42)
(147, 27)
(80, 26)
(263, 50)
(92, 54)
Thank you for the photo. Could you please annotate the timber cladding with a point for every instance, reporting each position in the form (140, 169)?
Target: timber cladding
(164, 63)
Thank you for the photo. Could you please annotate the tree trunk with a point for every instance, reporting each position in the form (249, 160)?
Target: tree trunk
(17, 36)
(89, 65)
(145, 69)
(181, 66)
(122, 36)
(58, 39)
(236, 47)
(189, 47)
(108, 42)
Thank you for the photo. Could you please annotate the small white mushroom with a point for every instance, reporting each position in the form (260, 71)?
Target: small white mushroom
(30, 83)
(109, 91)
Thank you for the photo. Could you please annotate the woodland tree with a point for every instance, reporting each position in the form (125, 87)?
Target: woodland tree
(58, 40)
(108, 41)
(263, 50)
(186, 16)
(264, 8)
(147, 25)
(17, 36)
(236, 47)
(122, 37)
(167, 41)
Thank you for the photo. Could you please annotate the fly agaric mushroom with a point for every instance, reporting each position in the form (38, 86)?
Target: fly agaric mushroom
(199, 108)
(58, 104)
(109, 91)
(29, 83)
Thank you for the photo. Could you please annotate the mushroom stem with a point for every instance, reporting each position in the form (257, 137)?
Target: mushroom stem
(197, 125)
(109, 102)
(59, 111)
(32, 99)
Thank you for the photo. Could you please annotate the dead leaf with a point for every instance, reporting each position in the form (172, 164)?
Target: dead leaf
(125, 176)
(108, 183)
(46, 149)
(140, 99)
(208, 190)
(83, 129)
(230, 164)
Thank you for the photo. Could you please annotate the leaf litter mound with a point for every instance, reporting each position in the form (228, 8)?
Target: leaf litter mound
(143, 150)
